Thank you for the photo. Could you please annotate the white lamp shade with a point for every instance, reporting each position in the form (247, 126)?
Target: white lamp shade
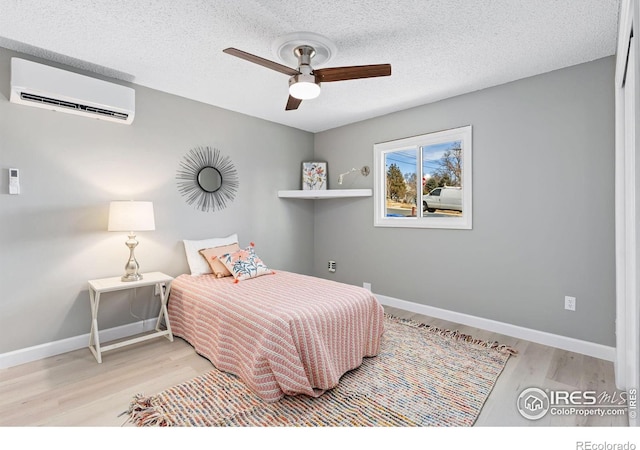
(131, 216)
(304, 90)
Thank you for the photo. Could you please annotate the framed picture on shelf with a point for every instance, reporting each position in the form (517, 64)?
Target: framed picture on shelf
(314, 176)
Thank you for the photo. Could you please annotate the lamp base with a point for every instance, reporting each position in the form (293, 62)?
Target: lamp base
(131, 268)
(131, 277)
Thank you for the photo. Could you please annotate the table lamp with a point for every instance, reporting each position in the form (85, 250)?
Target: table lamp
(131, 216)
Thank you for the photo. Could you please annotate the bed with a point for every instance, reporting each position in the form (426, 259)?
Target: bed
(283, 333)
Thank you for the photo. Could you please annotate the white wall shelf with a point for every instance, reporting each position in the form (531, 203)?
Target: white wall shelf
(329, 193)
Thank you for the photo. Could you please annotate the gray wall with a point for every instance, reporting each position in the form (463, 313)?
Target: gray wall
(543, 206)
(543, 212)
(53, 236)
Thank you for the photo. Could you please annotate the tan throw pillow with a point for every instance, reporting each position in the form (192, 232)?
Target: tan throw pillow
(212, 255)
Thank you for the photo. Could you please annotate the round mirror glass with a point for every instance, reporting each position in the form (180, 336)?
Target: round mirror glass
(209, 179)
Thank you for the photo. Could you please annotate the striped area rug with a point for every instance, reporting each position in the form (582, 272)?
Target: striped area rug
(423, 376)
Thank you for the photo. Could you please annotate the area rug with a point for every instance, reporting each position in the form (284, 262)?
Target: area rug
(423, 376)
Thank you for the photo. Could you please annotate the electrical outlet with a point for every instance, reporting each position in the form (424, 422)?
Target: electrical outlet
(332, 266)
(570, 303)
(367, 286)
(156, 290)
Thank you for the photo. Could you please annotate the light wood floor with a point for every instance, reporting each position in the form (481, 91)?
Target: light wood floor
(74, 390)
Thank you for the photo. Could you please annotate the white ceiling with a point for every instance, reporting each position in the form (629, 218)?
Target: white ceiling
(437, 48)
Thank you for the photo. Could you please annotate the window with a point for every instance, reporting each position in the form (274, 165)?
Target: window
(424, 181)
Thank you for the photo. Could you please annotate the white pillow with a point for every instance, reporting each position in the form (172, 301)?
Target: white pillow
(197, 263)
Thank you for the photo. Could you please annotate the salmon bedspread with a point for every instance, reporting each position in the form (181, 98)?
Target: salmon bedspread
(282, 334)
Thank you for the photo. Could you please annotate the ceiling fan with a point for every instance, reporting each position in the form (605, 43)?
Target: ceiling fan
(304, 82)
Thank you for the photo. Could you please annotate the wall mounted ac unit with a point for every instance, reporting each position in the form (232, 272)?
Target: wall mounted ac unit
(47, 87)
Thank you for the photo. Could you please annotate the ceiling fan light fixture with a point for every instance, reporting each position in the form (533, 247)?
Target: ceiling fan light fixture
(304, 87)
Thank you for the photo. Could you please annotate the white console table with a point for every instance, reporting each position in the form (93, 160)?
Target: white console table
(104, 285)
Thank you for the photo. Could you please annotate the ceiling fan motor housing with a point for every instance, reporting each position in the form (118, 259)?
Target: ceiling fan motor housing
(303, 78)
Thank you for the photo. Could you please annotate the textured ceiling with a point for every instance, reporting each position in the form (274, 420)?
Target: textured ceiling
(437, 48)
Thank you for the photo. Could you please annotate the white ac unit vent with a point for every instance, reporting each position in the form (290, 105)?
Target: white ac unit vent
(47, 87)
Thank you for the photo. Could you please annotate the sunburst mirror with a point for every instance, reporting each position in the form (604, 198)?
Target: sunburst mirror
(207, 179)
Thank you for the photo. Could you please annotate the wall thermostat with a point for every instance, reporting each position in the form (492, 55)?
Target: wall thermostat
(14, 181)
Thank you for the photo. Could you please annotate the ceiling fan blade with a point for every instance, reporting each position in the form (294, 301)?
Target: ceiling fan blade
(292, 103)
(261, 61)
(352, 72)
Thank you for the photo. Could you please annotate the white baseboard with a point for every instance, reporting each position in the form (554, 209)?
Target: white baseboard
(540, 337)
(47, 350)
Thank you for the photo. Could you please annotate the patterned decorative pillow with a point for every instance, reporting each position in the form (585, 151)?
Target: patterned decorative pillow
(212, 255)
(244, 264)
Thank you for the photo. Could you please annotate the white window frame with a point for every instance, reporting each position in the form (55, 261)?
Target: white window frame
(380, 150)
